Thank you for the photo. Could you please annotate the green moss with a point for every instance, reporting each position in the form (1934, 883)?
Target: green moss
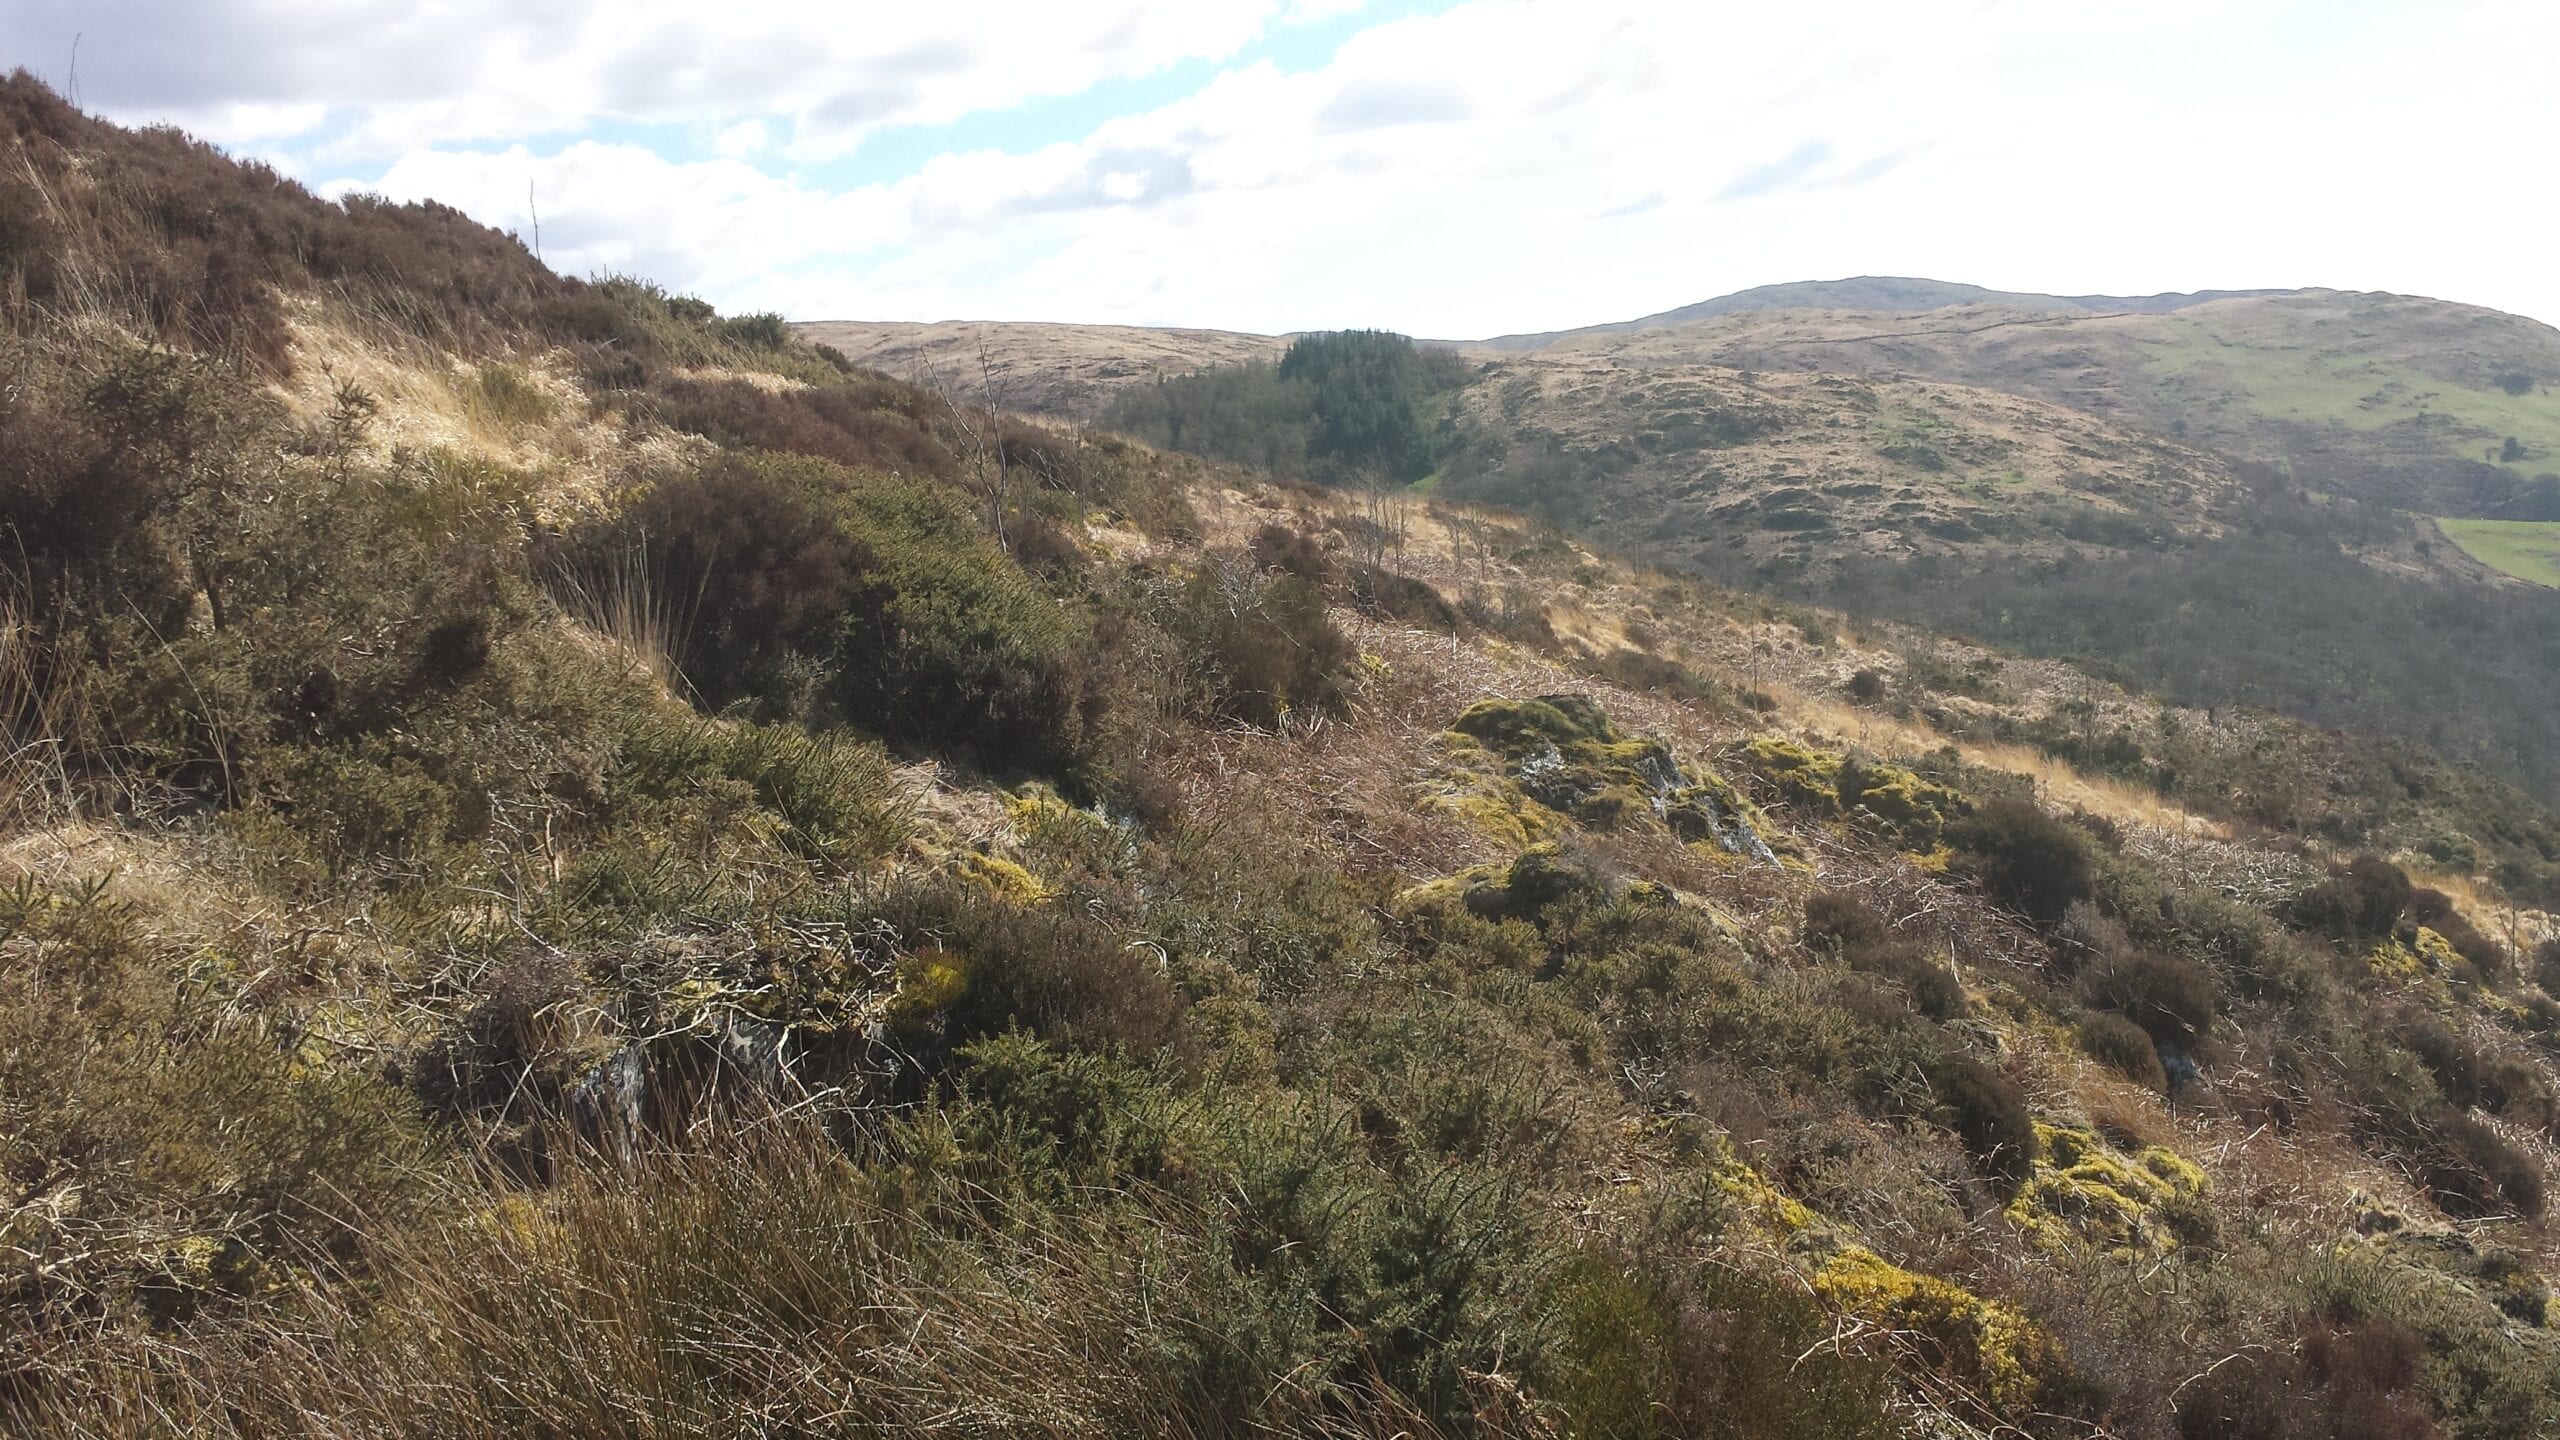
(1512, 725)
(1913, 810)
(2437, 954)
(930, 982)
(1984, 1344)
(1799, 771)
(1497, 810)
(1773, 1209)
(2085, 1192)
(1000, 877)
(1522, 771)
(2392, 960)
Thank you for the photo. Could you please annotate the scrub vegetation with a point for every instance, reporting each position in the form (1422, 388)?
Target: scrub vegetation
(699, 889)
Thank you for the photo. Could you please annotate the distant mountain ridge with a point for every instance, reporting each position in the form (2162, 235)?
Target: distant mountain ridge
(1881, 294)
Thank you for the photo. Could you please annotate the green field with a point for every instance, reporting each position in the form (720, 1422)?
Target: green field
(2526, 549)
(2296, 374)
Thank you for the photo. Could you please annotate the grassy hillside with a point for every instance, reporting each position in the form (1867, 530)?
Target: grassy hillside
(576, 866)
(2526, 549)
(1797, 470)
(2388, 398)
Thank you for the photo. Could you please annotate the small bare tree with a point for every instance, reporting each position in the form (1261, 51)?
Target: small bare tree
(1389, 513)
(980, 449)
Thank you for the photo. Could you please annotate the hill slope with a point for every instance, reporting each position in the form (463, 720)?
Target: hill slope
(1872, 294)
(575, 865)
(1066, 371)
(2403, 401)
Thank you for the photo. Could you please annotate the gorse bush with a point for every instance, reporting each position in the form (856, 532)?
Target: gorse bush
(960, 643)
(803, 588)
(172, 1154)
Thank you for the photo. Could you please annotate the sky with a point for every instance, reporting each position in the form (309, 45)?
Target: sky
(1448, 168)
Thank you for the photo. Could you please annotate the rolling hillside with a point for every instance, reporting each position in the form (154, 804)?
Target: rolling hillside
(2404, 401)
(572, 865)
(2235, 497)
(1874, 295)
(1066, 371)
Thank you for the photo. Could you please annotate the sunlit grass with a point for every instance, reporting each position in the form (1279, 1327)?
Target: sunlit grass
(2526, 549)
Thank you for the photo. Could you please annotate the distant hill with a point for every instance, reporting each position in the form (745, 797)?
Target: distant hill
(1878, 294)
(2400, 399)
(1061, 371)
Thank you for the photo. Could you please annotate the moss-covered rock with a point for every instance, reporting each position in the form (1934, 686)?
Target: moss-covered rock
(1519, 888)
(1524, 771)
(1913, 810)
(2084, 1191)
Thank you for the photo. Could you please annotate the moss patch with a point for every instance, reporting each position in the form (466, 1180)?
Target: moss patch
(1524, 771)
(1986, 1345)
(2086, 1192)
(1518, 888)
(1913, 810)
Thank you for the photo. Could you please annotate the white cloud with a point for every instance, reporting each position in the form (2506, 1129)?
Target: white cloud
(401, 75)
(1510, 164)
(746, 138)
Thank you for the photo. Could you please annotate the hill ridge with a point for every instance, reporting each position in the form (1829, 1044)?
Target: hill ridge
(1889, 294)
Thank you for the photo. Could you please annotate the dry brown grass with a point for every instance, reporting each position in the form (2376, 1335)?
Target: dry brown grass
(572, 452)
(1069, 371)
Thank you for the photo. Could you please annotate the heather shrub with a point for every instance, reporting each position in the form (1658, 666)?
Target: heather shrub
(1280, 549)
(2472, 1169)
(1385, 595)
(1988, 1113)
(2172, 1000)
(2024, 858)
(862, 423)
(2123, 1047)
(735, 568)
(1262, 647)
(2365, 897)
(1839, 921)
(2358, 1380)
(1053, 971)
